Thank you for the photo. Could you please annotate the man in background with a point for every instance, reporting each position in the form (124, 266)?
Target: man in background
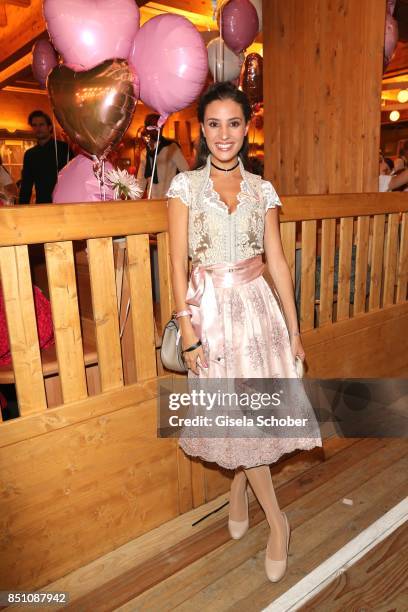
(40, 168)
(170, 159)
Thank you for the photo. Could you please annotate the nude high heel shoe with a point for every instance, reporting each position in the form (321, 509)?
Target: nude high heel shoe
(239, 528)
(275, 570)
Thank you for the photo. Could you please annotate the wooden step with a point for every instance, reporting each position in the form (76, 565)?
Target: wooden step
(378, 581)
(371, 472)
(181, 566)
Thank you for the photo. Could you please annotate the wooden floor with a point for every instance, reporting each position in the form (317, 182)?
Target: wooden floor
(199, 568)
(378, 581)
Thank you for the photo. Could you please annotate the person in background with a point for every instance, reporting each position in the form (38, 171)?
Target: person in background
(8, 188)
(390, 164)
(401, 163)
(256, 166)
(40, 167)
(170, 159)
(388, 181)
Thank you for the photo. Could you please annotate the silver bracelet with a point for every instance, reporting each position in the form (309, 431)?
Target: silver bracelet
(183, 313)
(295, 334)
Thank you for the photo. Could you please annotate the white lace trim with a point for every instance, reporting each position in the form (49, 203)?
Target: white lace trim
(180, 188)
(271, 198)
(213, 198)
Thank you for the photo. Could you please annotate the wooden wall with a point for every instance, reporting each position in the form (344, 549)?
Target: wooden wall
(15, 108)
(79, 492)
(322, 90)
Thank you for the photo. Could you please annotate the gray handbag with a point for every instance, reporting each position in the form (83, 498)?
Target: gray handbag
(170, 351)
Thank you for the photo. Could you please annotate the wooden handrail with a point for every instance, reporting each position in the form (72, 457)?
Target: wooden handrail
(332, 206)
(58, 222)
(367, 231)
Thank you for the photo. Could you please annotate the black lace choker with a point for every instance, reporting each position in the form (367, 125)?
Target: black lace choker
(226, 169)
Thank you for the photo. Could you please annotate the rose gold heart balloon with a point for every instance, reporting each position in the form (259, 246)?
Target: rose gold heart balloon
(94, 107)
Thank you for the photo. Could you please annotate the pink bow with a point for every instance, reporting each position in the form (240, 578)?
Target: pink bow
(202, 298)
(203, 304)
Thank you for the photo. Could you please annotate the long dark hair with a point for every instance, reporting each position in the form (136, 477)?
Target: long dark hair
(222, 91)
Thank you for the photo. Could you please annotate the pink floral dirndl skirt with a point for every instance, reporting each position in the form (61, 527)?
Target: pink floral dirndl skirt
(244, 336)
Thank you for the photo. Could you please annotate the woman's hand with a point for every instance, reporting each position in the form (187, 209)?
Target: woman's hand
(193, 359)
(297, 347)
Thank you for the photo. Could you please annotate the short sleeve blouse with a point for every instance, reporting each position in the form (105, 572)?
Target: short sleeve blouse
(180, 188)
(215, 235)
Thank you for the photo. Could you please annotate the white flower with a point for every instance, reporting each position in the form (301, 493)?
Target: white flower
(124, 185)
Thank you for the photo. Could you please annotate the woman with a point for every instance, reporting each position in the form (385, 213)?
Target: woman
(170, 159)
(224, 217)
(8, 189)
(388, 181)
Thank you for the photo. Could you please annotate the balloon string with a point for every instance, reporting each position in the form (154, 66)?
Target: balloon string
(215, 66)
(103, 180)
(254, 126)
(97, 173)
(122, 329)
(55, 142)
(221, 49)
(154, 164)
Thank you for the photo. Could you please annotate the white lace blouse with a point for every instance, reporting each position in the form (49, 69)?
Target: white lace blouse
(215, 235)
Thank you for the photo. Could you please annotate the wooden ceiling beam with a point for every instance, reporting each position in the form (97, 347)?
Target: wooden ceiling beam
(19, 53)
(3, 16)
(394, 85)
(22, 34)
(24, 3)
(11, 72)
(402, 121)
(394, 105)
(202, 7)
(23, 29)
(399, 62)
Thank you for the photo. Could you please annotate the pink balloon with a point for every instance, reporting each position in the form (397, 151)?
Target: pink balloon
(390, 38)
(239, 24)
(391, 6)
(77, 182)
(170, 59)
(88, 32)
(44, 60)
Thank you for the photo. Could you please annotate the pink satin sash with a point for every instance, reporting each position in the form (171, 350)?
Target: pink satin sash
(201, 294)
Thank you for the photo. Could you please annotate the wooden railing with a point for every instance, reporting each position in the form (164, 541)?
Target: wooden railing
(362, 239)
(86, 442)
(57, 227)
(314, 229)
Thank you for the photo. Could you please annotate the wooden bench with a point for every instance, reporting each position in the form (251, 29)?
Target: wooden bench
(50, 370)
